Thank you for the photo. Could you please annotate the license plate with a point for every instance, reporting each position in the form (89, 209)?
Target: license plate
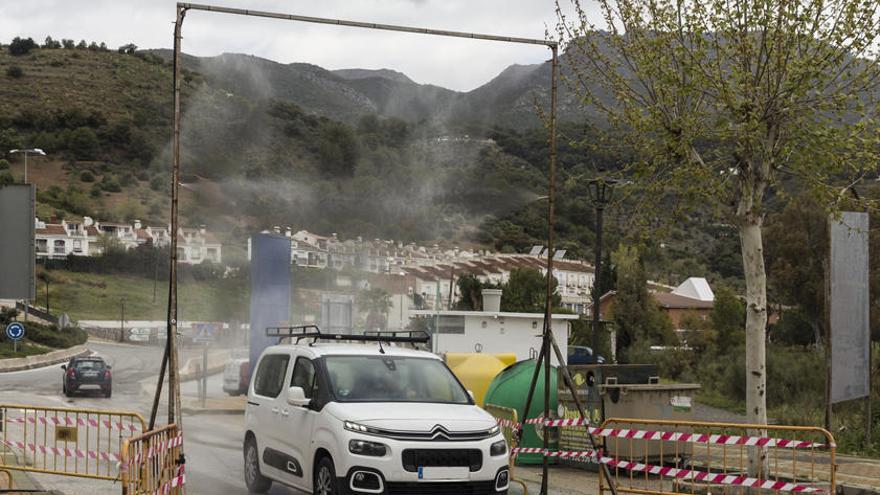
(443, 473)
(90, 374)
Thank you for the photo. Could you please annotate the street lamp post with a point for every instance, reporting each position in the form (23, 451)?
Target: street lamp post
(26, 152)
(601, 191)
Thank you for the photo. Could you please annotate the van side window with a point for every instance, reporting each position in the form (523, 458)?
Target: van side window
(304, 376)
(269, 379)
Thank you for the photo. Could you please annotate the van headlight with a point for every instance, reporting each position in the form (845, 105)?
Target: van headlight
(351, 426)
(498, 448)
(363, 447)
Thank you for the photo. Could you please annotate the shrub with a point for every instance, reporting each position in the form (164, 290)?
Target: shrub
(87, 176)
(14, 72)
(21, 46)
(110, 184)
(157, 183)
(83, 143)
(6, 179)
(96, 191)
(4, 164)
(52, 336)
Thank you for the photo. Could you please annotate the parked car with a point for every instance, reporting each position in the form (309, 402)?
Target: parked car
(579, 354)
(88, 372)
(332, 418)
(236, 376)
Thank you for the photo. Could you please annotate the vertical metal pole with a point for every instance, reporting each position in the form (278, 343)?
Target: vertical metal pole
(122, 320)
(48, 309)
(173, 386)
(829, 409)
(869, 415)
(551, 224)
(204, 374)
(25, 167)
(600, 209)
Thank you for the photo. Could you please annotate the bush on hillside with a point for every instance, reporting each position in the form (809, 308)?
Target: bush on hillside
(15, 72)
(87, 176)
(83, 143)
(21, 46)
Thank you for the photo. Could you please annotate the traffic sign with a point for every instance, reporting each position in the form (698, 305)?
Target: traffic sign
(204, 332)
(15, 331)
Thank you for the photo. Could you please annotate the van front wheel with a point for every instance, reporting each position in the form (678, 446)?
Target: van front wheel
(325, 478)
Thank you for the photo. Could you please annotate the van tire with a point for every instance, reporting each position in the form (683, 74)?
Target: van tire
(324, 482)
(253, 478)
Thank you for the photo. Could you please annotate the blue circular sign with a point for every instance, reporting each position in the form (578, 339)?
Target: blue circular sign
(15, 330)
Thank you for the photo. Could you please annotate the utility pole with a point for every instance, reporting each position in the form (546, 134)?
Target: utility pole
(601, 190)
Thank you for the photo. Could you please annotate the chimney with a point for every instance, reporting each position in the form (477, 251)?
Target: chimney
(288, 232)
(203, 229)
(137, 224)
(492, 300)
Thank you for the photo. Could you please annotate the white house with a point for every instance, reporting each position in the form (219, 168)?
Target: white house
(58, 240)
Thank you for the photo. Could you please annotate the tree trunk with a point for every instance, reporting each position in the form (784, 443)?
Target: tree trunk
(756, 324)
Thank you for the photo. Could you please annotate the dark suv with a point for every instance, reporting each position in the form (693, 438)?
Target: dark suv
(87, 372)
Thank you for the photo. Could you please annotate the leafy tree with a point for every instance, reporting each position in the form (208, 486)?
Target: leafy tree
(82, 45)
(83, 143)
(635, 313)
(525, 292)
(797, 246)
(14, 71)
(728, 320)
(68, 44)
(794, 328)
(21, 46)
(51, 44)
(469, 290)
(718, 97)
(338, 150)
(376, 302)
(9, 139)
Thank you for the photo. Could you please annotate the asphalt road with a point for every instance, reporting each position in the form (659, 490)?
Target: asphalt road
(212, 442)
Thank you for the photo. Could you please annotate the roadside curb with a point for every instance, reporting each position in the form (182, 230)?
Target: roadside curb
(42, 360)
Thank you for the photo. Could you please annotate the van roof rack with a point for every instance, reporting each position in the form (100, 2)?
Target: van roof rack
(299, 332)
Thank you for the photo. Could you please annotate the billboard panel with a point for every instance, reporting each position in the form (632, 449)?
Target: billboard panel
(17, 241)
(270, 289)
(850, 333)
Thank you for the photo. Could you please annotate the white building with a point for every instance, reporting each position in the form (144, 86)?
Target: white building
(58, 240)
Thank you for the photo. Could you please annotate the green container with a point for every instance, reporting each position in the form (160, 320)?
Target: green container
(510, 389)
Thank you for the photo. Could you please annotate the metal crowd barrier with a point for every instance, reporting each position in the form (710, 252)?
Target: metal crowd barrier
(508, 419)
(74, 442)
(8, 475)
(657, 457)
(153, 463)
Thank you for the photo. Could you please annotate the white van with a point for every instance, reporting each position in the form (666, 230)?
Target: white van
(332, 418)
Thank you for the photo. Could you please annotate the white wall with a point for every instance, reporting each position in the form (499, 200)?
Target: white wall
(503, 335)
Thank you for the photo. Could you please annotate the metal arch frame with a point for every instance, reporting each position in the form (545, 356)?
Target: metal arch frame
(169, 359)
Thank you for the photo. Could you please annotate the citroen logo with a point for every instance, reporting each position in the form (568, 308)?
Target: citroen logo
(439, 432)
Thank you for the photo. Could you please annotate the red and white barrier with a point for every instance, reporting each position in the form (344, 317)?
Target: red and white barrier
(175, 482)
(716, 478)
(675, 436)
(62, 451)
(67, 421)
(671, 472)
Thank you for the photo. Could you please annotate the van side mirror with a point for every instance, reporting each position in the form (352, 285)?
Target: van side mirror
(472, 395)
(296, 396)
(64, 366)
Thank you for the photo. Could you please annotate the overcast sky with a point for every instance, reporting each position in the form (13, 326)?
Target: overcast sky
(449, 62)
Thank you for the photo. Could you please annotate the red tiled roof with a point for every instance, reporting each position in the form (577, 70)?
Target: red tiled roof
(52, 229)
(675, 301)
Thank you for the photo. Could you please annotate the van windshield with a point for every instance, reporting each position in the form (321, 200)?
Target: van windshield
(393, 379)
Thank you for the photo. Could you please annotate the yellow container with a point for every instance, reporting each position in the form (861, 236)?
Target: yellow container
(476, 370)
